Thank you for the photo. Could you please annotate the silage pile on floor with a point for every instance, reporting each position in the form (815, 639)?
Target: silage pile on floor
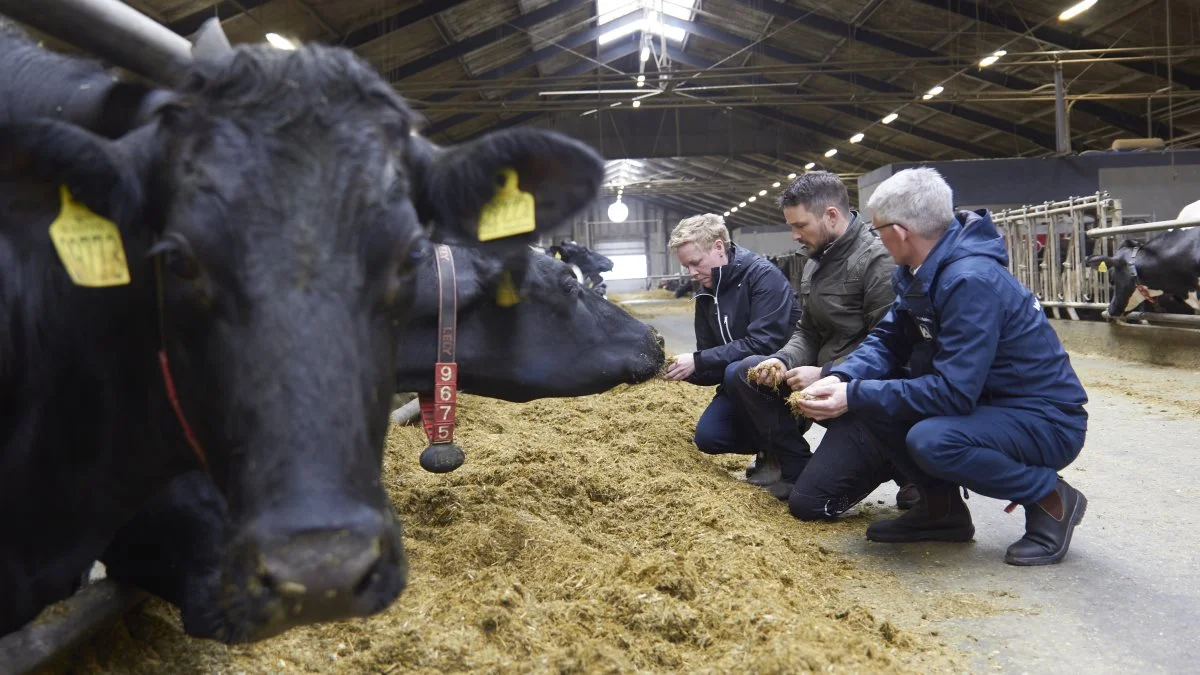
(584, 535)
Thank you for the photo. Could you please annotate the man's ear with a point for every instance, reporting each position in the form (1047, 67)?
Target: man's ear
(504, 189)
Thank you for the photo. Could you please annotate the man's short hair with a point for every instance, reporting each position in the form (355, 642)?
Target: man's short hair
(919, 199)
(702, 231)
(816, 191)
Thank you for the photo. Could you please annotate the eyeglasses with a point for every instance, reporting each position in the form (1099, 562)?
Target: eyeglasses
(876, 229)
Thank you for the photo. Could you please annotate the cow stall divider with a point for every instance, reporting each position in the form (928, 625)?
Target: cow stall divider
(1049, 243)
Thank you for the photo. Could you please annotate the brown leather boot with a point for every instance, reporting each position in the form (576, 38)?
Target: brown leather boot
(1049, 525)
(908, 497)
(941, 515)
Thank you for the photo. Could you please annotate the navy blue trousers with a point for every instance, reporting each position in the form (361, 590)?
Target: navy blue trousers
(1004, 453)
(745, 418)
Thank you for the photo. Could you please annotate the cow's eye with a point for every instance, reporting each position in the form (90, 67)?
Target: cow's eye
(177, 259)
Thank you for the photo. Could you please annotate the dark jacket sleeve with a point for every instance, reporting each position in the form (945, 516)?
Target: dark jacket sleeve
(970, 319)
(705, 339)
(771, 303)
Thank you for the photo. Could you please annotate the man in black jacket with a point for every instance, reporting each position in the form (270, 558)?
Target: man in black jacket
(746, 306)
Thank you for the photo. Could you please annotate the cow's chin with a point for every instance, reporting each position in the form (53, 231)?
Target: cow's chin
(249, 609)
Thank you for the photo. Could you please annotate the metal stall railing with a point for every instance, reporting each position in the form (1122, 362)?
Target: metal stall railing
(1047, 246)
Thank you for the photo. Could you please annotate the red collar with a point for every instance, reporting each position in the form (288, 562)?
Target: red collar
(165, 366)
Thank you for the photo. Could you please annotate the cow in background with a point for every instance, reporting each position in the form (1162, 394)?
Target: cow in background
(261, 231)
(1166, 265)
(590, 263)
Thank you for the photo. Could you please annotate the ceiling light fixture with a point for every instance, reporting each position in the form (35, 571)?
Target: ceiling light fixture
(856, 138)
(752, 198)
(933, 92)
(810, 166)
(791, 176)
(890, 118)
(831, 152)
(279, 42)
(1076, 9)
(775, 184)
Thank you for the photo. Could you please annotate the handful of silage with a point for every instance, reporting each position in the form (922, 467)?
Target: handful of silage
(775, 373)
(793, 402)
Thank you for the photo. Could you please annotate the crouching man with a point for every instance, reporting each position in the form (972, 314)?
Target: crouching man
(989, 401)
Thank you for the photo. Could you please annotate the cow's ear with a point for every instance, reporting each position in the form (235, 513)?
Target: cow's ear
(505, 188)
(87, 165)
(1095, 261)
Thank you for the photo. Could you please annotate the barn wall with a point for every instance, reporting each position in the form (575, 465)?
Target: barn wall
(1142, 180)
(647, 223)
(765, 240)
(1154, 192)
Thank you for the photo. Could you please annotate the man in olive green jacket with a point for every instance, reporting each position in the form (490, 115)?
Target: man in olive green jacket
(845, 289)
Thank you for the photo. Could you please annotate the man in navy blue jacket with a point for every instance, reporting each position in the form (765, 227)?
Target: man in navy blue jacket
(746, 307)
(989, 399)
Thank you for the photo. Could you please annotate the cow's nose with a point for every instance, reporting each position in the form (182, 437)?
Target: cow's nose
(330, 573)
(321, 567)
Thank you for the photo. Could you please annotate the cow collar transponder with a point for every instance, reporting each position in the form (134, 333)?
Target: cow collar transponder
(438, 410)
(1137, 283)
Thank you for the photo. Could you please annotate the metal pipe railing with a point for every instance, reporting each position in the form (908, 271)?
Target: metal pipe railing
(1143, 227)
(111, 30)
(1153, 317)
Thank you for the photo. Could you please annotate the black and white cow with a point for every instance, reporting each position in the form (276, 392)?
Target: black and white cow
(1167, 265)
(558, 340)
(269, 217)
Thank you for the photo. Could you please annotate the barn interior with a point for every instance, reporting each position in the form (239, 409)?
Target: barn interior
(713, 106)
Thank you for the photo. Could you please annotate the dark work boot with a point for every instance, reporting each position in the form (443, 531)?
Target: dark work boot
(908, 497)
(764, 471)
(1048, 527)
(781, 489)
(941, 515)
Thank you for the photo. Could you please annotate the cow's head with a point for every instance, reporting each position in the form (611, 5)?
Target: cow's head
(532, 331)
(290, 203)
(1121, 272)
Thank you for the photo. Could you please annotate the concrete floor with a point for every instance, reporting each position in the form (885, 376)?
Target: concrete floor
(1127, 597)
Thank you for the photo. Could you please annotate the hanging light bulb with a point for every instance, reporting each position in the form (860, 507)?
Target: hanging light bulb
(775, 184)
(752, 198)
(733, 210)
(618, 211)
(831, 152)
(646, 53)
(641, 81)
(791, 176)
(810, 166)
(637, 104)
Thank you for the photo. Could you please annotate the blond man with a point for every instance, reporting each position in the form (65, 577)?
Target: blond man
(745, 307)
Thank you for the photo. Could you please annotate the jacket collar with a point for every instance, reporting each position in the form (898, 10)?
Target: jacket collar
(843, 243)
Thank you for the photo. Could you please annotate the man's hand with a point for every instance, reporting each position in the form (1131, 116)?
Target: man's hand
(804, 376)
(769, 373)
(824, 399)
(681, 368)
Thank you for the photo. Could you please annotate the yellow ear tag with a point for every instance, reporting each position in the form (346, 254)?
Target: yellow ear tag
(1102, 267)
(510, 212)
(89, 245)
(557, 255)
(506, 294)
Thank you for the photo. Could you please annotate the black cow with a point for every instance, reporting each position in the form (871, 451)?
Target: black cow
(590, 263)
(557, 341)
(1168, 264)
(270, 217)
